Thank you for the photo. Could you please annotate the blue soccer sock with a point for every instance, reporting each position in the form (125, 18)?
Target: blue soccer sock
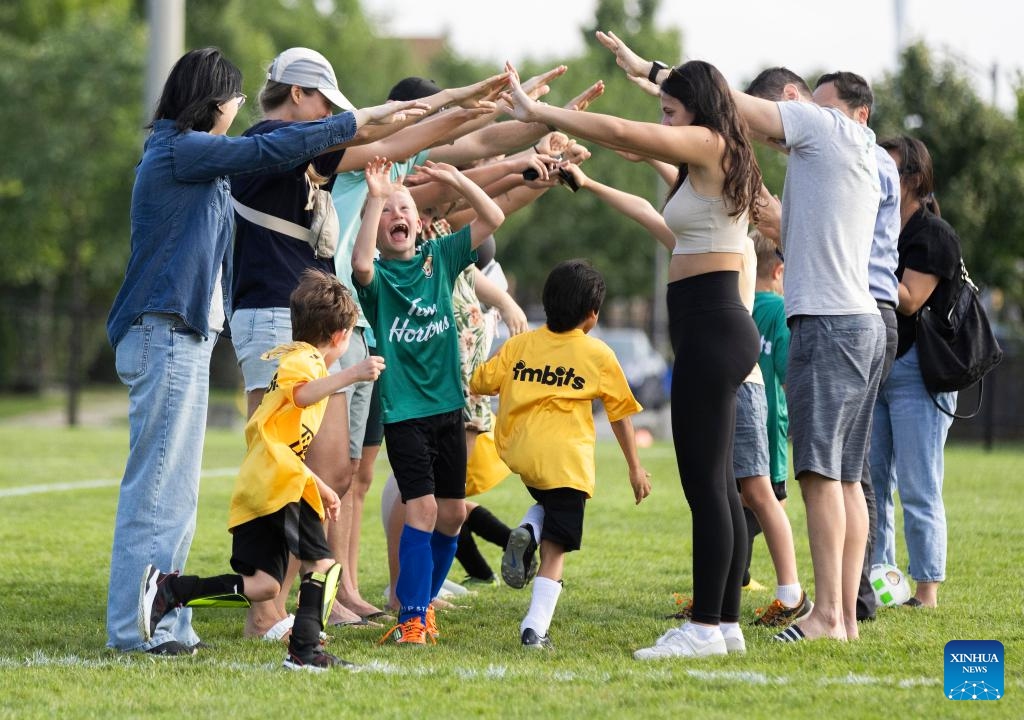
(442, 550)
(415, 567)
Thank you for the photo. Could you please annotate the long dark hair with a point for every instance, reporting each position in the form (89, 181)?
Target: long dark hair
(705, 93)
(198, 83)
(915, 166)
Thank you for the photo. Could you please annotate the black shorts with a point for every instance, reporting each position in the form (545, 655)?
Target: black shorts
(265, 543)
(428, 455)
(563, 515)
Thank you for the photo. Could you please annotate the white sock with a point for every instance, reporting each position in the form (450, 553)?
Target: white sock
(704, 633)
(788, 595)
(542, 605)
(534, 517)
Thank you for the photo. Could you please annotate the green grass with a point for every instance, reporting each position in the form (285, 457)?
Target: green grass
(54, 554)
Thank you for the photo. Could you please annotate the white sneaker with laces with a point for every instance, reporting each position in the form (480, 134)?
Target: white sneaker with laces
(683, 642)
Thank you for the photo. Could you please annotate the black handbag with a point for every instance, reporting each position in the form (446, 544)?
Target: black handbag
(956, 348)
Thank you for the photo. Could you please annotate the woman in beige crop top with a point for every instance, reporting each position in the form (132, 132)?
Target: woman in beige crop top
(704, 224)
(705, 219)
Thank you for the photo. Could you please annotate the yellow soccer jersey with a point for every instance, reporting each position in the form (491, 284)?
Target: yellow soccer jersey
(273, 473)
(547, 383)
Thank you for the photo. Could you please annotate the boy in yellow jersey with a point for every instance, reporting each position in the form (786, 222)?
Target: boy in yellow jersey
(279, 504)
(547, 380)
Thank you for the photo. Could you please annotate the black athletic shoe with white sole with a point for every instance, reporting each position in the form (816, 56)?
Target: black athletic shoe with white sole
(532, 640)
(156, 599)
(519, 563)
(317, 661)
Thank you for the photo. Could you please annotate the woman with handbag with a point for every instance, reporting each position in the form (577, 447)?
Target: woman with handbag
(909, 428)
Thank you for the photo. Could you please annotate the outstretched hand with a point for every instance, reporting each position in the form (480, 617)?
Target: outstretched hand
(378, 177)
(537, 86)
(369, 369)
(582, 101)
(442, 172)
(395, 111)
(633, 64)
(481, 94)
(520, 105)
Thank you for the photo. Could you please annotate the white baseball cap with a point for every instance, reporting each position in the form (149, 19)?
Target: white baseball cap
(309, 69)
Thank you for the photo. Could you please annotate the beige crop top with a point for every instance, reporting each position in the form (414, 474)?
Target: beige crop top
(702, 224)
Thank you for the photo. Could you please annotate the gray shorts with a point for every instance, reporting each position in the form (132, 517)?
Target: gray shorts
(835, 363)
(359, 393)
(254, 331)
(750, 442)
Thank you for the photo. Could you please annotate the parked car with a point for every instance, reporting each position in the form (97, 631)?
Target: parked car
(645, 368)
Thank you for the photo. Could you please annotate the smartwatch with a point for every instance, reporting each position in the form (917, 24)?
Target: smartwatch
(656, 67)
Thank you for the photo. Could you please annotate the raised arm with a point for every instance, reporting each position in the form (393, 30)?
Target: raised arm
(488, 215)
(695, 145)
(378, 182)
(763, 116)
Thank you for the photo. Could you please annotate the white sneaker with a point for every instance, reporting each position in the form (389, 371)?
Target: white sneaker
(734, 640)
(681, 642)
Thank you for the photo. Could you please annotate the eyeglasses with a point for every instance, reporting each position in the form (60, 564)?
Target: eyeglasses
(241, 99)
(779, 255)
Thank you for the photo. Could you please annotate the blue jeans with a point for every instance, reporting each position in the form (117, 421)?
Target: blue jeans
(907, 439)
(166, 367)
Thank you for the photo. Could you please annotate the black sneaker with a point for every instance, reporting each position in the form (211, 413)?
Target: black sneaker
(318, 661)
(519, 563)
(172, 648)
(532, 640)
(778, 615)
(156, 599)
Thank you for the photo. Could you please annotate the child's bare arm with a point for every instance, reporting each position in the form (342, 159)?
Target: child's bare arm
(488, 215)
(316, 390)
(378, 180)
(330, 499)
(639, 478)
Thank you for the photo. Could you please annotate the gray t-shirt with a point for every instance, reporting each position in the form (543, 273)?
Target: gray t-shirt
(884, 254)
(829, 205)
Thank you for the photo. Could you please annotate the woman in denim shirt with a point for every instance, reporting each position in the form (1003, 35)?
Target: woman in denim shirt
(170, 311)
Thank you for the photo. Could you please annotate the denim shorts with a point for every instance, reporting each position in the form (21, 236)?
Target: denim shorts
(835, 364)
(750, 443)
(254, 331)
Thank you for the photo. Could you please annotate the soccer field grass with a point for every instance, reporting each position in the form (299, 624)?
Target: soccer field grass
(58, 492)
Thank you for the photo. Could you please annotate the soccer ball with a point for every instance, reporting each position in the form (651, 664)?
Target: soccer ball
(890, 585)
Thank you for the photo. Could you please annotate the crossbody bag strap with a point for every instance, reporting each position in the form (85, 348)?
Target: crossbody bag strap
(272, 222)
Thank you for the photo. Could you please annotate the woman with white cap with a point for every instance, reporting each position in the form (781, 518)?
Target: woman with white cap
(272, 250)
(170, 311)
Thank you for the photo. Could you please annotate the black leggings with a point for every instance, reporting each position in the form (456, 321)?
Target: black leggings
(716, 345)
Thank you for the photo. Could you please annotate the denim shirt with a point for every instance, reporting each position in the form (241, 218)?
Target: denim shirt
(182, 218)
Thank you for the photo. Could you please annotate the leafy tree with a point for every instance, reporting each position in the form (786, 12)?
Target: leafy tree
(73, 130)
(978, 154)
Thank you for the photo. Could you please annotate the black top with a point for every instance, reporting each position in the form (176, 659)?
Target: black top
(927, 245)
(267, 264)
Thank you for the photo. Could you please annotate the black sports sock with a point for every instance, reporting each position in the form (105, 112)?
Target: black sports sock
(308, 620)
(190, 587)
(483, 522)
(468, 555)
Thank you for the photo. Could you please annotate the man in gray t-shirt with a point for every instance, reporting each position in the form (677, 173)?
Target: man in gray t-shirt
(829, 205)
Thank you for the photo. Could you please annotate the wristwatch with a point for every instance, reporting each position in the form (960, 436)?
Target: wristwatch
(656, 67)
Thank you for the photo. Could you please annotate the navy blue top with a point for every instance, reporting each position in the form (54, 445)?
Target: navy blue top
(181, 216)
(267, 264)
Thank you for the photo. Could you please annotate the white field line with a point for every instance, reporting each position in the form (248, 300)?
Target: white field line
(91, 484)
(646, 671)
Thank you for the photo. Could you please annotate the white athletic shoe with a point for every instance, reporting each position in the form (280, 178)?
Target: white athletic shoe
(682, 642)
(734, 640)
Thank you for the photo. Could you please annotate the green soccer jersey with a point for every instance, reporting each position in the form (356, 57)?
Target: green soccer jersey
(409, 307)
(770, 317)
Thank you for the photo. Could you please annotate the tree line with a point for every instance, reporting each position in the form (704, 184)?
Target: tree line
(73, 121)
